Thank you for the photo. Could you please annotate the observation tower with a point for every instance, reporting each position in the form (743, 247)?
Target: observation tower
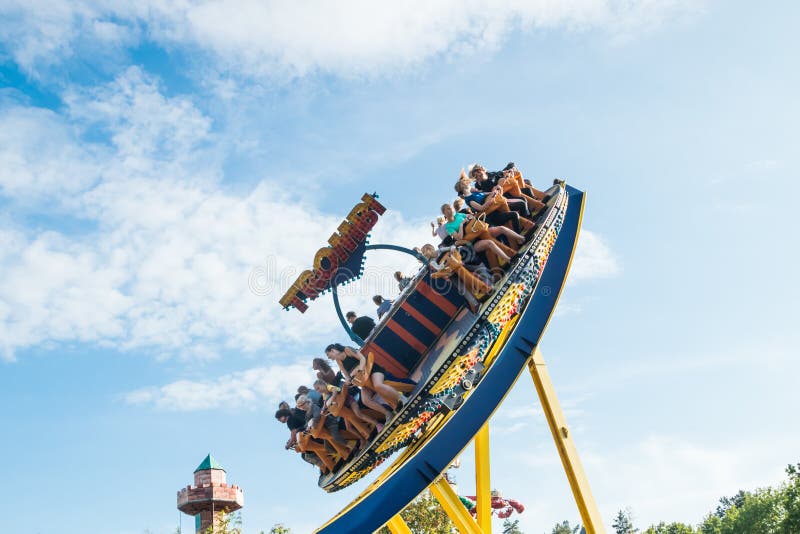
(211, 497)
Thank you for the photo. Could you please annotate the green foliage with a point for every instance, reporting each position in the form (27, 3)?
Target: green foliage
(758, 512)
(229, 524)
(511, 527)
(623, 523)
(670, 528)
(425, 516)
(726, 503)
(280, 529)
(762, 511)
(791, 501)
(565, 528)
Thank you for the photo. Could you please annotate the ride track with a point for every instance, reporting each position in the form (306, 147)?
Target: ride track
(423, 461)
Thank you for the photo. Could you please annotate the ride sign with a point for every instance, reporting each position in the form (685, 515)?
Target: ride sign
(341, 260)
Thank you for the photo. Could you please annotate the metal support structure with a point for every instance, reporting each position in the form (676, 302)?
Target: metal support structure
(453, 507)
(345, 325)
(483, 492)
(590, 515)
(353, 336)
(397, 248)
(396, 525)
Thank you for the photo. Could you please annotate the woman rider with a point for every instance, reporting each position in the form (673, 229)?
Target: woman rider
(454, 227)
(480, 201)
(351, 360)
(324, 372)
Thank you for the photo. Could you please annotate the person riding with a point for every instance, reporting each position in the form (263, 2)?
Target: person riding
(382, 304)
(351, 361)
(482, 202)
(402, 281)
(438, 228)
(326, 391)
(295, 420)
(454, 223)
(361, 326)
(459, 206)
(486, 181)
(315, 397)
(313, 416)
(326, 373)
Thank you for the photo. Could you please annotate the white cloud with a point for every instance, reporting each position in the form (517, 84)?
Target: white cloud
(244, 389)
(661, 477)
(350, 37)
(666, 478)
(39, 156)
(593, 258)
(163, 254)
(165, 260)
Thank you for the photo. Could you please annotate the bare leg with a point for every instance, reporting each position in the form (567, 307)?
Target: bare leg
(387, 392)
(485, 245)
(366, 396)
(353, 405)
(510, 234)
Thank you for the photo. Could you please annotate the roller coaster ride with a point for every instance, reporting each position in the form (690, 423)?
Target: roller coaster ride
(455, 365)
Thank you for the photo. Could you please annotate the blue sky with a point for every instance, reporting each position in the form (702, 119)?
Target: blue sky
(152, 157)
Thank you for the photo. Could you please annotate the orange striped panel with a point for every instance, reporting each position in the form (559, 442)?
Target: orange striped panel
(384, 360)
(421, 319)
(406, 336)
(440, 302)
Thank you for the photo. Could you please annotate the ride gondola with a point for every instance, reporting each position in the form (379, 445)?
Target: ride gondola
(435, 347)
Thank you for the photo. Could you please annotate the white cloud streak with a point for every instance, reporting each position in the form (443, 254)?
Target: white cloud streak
(244, 389)
(161, 258)
(164, 260)
(280, 39)
(661, 477)
(667, 478)
(593, 259)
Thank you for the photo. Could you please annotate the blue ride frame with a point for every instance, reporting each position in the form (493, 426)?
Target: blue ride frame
(375, 508)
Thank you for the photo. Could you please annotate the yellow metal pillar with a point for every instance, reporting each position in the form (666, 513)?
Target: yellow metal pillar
(453, 507)
(397, 526)
(483, 491)
(566, 447)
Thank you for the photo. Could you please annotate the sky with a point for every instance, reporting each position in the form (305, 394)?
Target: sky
(166, 170)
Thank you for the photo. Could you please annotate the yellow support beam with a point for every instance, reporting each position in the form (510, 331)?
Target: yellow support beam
(453, 507)
(483, 491)
(565, 445)
(397, 526)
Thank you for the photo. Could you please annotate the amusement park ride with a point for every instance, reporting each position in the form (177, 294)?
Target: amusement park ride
(455, 366)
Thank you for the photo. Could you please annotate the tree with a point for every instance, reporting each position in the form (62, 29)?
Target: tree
(229, 524)
(726, 503)
(623, 523)
(511, 527)
(670, 528)
(565, 528)
(425, 516)
(791, 500)
(760, 512)
(280, 529)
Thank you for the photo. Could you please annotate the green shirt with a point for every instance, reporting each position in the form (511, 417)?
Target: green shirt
(453, 226)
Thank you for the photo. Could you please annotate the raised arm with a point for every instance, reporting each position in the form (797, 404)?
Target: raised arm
(479, 207)
(292, 438)
(362, 361)
(344, 372)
